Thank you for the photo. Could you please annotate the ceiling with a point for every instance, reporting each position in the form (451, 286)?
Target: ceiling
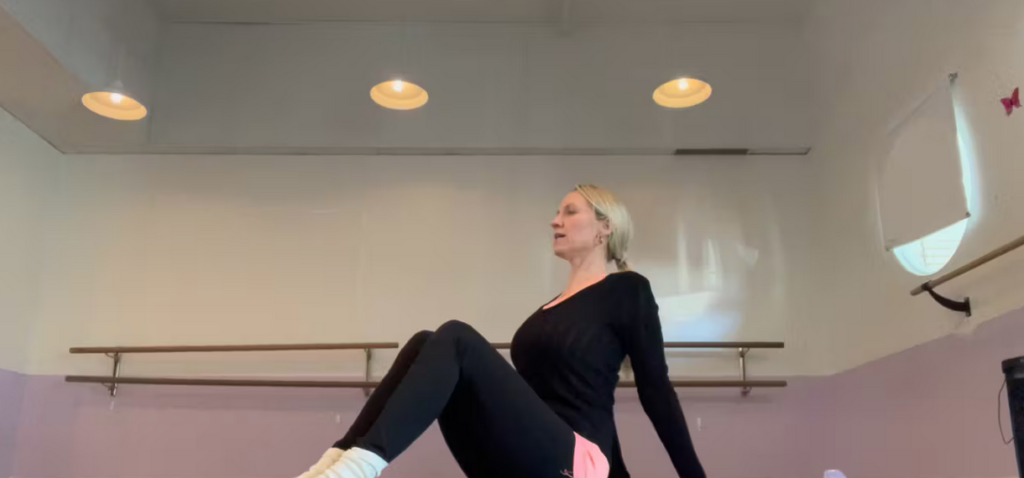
(557, 11)
(512, 88)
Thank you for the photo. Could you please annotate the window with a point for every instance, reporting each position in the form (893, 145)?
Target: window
(929, 254)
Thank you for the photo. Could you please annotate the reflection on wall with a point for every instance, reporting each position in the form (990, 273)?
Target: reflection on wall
(719, 273)
(186, 250)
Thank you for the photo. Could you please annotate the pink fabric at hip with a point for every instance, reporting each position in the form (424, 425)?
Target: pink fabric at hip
(588, 461)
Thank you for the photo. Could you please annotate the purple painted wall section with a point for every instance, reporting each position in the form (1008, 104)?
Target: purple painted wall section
(763, 435)
(234, 433)
(171, 432)
(11, 390)
(225, 433)
(928, 412)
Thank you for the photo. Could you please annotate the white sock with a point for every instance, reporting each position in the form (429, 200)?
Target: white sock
(330, 458)
(356, 463)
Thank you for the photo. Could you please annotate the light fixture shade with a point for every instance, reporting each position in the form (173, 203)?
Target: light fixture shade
(399, 95)
(114, 105)
(682, 93)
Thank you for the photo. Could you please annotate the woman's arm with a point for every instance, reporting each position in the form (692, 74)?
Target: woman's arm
(646, 349)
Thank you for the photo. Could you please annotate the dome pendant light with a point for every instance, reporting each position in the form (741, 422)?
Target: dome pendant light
(682, 93)
(398, 94)
(114, 103)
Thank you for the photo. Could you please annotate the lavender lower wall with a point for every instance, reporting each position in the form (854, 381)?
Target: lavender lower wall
(11, 392)
(928, 412)
(234, 433)
(152, 432)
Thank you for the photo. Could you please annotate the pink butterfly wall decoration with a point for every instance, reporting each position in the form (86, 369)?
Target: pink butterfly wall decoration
(1012, 102)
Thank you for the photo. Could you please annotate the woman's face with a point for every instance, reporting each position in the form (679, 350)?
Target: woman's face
(577, 231)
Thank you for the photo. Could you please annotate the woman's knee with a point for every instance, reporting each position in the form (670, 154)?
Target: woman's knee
(412, 347)
(457, 328)
(462, 332)
(421, 337)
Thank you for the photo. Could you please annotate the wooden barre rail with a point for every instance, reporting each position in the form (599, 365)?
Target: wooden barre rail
(699, 345)
(964, 305)
(364, 346)
(221, 382)
(111, 382)
(727, 345)
(717, 384)
(232, 348)
(959, 271)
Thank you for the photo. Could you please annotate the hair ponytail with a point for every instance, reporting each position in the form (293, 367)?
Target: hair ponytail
(608, 208)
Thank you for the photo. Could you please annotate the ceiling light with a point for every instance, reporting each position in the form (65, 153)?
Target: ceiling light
(399, 95)
(682, 93)
(114, 103)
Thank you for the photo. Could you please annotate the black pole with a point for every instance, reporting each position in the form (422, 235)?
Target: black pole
(1014, 370)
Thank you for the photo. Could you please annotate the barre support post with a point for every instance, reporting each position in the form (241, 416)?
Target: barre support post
(745, 390)
(112, 386)
(369, 356)
(954, 305)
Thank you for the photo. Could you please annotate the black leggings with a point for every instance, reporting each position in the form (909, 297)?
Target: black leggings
(493, 422)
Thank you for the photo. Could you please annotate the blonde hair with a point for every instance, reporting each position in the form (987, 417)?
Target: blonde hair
(607, 207)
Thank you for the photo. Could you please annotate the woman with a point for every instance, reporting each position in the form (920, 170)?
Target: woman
(551, 416)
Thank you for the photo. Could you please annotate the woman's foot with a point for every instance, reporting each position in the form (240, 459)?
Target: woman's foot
(329, 459)
(356, 463)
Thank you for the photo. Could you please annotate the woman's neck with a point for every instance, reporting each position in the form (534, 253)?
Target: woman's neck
(585, 272)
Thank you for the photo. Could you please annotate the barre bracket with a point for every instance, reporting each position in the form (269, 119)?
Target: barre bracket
(954, 305)
(112, 386)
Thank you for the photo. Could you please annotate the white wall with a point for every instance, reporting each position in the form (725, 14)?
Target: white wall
(135, 239)
(210, 249)
(25, 178)
(202, 249)
(303, 87)
(871, 62)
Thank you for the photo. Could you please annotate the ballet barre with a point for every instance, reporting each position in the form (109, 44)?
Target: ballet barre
(699, 345)
(965, 304)
(116, 354)
(112, 381)
(742, 349)
(227, 382)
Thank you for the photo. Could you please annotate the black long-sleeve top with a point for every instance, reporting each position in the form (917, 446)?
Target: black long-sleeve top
(571, 354)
